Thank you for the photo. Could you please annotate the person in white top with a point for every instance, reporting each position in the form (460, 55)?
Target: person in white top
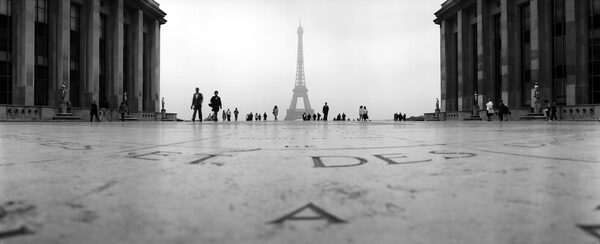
(490, 109)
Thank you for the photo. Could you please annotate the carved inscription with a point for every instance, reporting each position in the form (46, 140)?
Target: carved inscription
(319, 214)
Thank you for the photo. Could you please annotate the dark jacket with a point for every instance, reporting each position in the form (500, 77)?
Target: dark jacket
(325, 109)
(197, 101)
(215, 103)
(94, 108)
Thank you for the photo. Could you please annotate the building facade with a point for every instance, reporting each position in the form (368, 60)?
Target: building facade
(99, 49)
(502, 48)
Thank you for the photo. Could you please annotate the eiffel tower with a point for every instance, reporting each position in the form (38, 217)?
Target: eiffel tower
(300, 90)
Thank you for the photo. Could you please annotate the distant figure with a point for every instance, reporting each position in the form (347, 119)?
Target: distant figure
(104, 106)
(553, 110)
(235, 113)
(63, 92)
(343, 116)
(547, 110)
(163, 103)
(365, 113)
(490, 109)
(215, 103)
(228, 115)
(94, 112)
(437, 104)
(360, 113)
(256, 117)
(404, 117)
(339, 117)
(250, 117)
(502, 110)
(475, 98)
(395, 116)
(304, 116)
(325, 111)
(259, 117)
(319, 117)
(314, 117)
(196, 105)
(265, 116)
(224, 115)
(275, 112)
(122, 110)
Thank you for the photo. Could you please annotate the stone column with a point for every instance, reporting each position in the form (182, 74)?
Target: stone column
(155, 66)
(581, 53)
(116, 54)
(137, 48)
(541, 48)
(509, 28)
(570, 49)
(444, 64)
(483, 50)
(463, 74)
(61, 49)
(92, 53)
(24, 56)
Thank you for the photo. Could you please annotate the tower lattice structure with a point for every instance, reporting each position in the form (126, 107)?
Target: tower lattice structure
(300, 90)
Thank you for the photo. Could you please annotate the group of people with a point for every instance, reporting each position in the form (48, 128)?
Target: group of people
(399, 117)
(215, 104)
(502, 109)
(550, 110)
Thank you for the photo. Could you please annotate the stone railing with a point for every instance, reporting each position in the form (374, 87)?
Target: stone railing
(579, 112)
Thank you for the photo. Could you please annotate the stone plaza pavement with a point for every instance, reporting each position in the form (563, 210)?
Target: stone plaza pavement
(300, 182)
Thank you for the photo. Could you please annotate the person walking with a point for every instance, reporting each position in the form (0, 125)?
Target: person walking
(94, 112)
(235, 114)
(122, 110)
(502, 110)
(547, 110)
(553, 110)
(215, 103)
(365, 113)
(325, 111)
(265, 116)
(228, 115)
(275, 112)
(197, 105)
(490, 109)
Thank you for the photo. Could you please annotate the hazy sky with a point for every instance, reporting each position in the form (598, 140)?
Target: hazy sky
(380, 53)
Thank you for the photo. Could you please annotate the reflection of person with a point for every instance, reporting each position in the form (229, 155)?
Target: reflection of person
(325, 111)
(94, 112)
(215, 103)
(275, 111)
(197, 105)
(490, 109)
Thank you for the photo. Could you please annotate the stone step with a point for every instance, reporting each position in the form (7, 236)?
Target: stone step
(473, 117)
(66, 116)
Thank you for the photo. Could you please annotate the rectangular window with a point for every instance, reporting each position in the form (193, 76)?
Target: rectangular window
(75, 58)
(41, 84)
(594, 50)
(5, 52)
(497, 59)
(525, 23)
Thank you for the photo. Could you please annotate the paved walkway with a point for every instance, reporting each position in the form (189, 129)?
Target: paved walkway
(300, 182)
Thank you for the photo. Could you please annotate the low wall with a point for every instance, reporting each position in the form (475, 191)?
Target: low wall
(45, 113)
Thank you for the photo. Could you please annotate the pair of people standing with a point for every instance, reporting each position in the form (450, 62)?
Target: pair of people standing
(502, 110)
(363, 113)
(215, 104)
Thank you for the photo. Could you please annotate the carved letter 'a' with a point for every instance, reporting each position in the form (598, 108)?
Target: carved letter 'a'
(320, 215)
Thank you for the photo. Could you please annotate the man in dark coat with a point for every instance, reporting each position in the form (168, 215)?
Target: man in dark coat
(197, 104)
(215, 103)
(325, 111)
(94, 112)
